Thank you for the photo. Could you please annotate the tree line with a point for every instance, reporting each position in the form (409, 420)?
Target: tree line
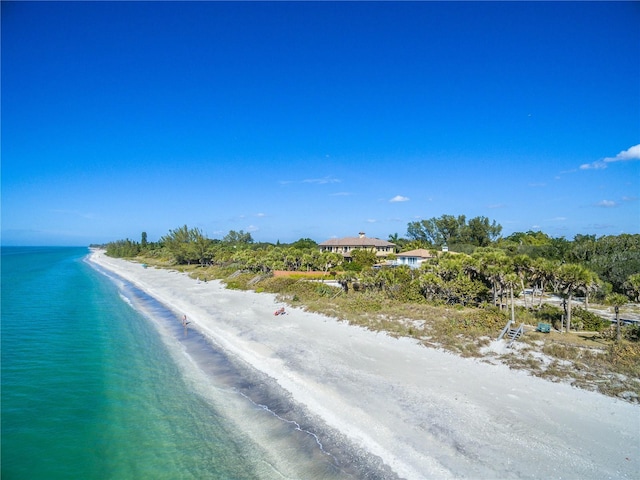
(481, 267)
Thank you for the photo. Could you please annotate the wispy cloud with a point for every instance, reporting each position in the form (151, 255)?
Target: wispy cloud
(340, 194)
(599, 165)
(607, 204)
(261, 214)
(539, 184)
(322, 181)
(629, 198)
(630, 154)
(399, 198)
(372, 220)
(496, 205)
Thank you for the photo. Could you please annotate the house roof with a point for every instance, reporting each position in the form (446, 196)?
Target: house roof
(356, 242)
(420, 253)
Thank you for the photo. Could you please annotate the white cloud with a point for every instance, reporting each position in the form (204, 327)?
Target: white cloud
(630, 154)
(540, 184)
(261, 215)
(496, 205)
(321, 181)
(627, 198)
(341, 194)
(372, 220)
(607, 204)
(599, 165)
(399, 198)
(252, 228)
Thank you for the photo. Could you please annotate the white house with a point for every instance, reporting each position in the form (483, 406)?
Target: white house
(413, 258)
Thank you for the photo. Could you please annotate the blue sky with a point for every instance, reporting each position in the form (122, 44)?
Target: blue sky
(318, 120)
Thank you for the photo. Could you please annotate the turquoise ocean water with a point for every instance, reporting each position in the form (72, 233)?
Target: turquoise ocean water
(99, 381)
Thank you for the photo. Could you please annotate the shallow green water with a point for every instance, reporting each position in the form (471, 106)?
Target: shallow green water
(99, 381)
(88, 387)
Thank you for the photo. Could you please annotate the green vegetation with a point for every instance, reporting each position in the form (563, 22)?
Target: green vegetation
(450, 230)
(458, 300)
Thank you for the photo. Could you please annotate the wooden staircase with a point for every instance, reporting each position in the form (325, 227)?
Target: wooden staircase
(512, 334)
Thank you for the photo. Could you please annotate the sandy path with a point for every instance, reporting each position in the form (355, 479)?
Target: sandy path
(426, 413)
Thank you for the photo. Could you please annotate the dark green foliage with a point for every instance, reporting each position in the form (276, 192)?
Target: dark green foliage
(448, 229)
(363, 258)
(535, 245)
(613, 258)
(304, 243)
(399, 242)
(589, 320)
(187, 246)
(237, 238)
(463, 248)
(632, 333)
(549, 314)
(123, 248)
(352, 267)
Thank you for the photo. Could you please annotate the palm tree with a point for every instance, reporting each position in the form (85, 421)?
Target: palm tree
(344, 279)
(616, 300)
(591, 286)
(397, 241)
(522, 267)
(511, 281)
(330, 260)
(543, 272)
(572, 278)
(494, 265)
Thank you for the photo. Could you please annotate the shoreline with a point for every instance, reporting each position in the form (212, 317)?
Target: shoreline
(423, 412)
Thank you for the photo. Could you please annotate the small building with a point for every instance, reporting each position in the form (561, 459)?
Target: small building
(344, 246)
(413, 258)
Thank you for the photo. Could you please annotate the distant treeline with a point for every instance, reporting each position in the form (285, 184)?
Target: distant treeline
(481, 265)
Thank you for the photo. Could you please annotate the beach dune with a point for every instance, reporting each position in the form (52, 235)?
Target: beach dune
(424, 412)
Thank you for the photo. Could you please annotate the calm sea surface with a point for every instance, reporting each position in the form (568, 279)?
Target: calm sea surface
(99, 381)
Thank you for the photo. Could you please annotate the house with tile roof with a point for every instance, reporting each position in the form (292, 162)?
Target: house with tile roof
(344, 246)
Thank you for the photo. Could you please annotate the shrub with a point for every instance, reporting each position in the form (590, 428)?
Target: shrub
(590, 321)
(626, 356)
(324, 290)
(632, 333)
(550, 314)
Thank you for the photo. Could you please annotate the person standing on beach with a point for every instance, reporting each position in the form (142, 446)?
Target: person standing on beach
(184, 324)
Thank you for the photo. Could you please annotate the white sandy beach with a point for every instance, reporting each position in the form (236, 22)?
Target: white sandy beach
(424, 412)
